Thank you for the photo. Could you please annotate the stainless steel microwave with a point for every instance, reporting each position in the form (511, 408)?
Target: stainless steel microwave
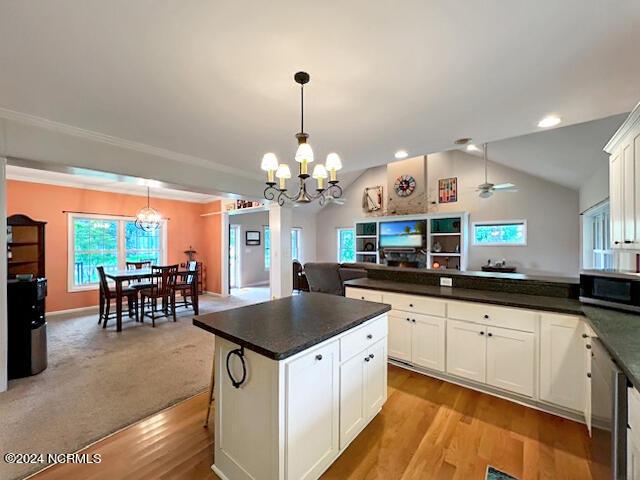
(609, 288)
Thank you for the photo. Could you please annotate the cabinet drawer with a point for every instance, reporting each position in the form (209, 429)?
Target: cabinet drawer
(416, 304)
(362, 294)
(634, 412)
(514, 318)
(363, 337)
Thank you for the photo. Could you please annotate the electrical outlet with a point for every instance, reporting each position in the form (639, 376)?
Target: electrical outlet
(446, 282)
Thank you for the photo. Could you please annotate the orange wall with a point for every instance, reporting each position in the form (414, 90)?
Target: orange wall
(46, 203)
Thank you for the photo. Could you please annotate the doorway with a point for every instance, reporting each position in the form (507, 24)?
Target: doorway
(234, 256)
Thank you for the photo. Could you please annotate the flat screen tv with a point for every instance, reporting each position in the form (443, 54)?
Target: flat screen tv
(403, 234)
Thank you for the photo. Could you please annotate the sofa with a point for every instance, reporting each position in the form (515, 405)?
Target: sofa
(329, 277)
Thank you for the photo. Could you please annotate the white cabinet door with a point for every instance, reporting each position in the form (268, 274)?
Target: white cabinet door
(586, 336)
(312, 386)
(615, 200)
(466, 350)
(562, 366)
(352, 402)
(400, 336)
(428, 341)
(510, 360)
(375, 378)
(633, 457)
(628, 195)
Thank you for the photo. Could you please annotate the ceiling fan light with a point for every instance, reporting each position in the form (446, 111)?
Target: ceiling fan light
(549, 121)
(304, 153)
(486, 193)
(472, 148)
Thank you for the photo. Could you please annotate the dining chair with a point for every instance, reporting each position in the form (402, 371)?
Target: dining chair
(163, 283)
(185, 285)
(107, 295)
(142, 265)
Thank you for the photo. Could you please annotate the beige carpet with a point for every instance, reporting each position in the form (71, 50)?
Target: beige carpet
(99, 381)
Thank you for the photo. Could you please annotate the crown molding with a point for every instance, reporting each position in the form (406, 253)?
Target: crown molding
(51, 125)
(105, 188)
(632, 120)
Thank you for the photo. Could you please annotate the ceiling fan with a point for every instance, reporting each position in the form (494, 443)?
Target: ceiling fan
(487, 189)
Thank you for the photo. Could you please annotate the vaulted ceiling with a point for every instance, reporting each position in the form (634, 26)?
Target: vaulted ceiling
(214, 79)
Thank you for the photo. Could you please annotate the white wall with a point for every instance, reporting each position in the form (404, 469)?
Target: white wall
(595, 189)
(252, 270)
(332, 216)
(551, 212)
(305, 219)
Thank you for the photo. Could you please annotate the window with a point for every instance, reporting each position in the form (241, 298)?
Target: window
(596, 239)
(346, 245)
(96, 240)
(513, 232)
(267, 248)
(296, 246)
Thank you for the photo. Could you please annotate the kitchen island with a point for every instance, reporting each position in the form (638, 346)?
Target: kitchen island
(296, 380)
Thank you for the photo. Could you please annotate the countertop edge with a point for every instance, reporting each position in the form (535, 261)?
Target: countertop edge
(384, 308)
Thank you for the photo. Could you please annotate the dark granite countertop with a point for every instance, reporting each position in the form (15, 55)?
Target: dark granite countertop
(619, 332)
(552, 304)
(281, 328)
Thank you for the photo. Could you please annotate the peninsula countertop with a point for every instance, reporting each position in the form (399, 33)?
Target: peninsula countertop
(570, 306)
(281, 328)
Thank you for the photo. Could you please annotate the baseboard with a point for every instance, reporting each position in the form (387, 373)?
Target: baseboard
(526, 402)
(73, 310)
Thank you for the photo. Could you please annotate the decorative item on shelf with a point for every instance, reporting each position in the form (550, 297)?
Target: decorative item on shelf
(448, 190)
(191, 254)
(148, 219)
(240, 204)
(435, 265)
(304, 156)
(369, 247)
(437, 248)
(372, 199)
(252, 238)
(404, 185)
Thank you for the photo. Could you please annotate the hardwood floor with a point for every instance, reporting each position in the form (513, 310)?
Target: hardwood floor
(428, 429)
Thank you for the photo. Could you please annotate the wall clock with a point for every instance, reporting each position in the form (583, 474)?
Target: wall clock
(405, 185)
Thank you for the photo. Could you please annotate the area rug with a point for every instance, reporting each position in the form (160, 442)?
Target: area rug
(99, 381)
(495, 474)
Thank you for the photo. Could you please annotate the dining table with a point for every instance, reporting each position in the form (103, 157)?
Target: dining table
(121, 276)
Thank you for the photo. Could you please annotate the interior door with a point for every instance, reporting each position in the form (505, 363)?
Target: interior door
(466, 350)
(400, 336)
(428, 337)
(510, 360)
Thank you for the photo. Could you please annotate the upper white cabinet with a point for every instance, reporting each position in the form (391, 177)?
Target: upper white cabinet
(563, 369)
(624, 183)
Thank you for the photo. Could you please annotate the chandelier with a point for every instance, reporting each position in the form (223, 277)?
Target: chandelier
(304, 156)
(148, 219)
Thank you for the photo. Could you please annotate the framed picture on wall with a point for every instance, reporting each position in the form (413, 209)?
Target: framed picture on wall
(252, 237)
(448, 190)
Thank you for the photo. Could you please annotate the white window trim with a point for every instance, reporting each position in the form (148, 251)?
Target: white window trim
(498, 222)
(338, 229)
(71, 287)
(267, 266)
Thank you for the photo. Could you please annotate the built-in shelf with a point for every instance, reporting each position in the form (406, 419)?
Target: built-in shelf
(20, 244)
(366, 253)
(366, 236)
(445, 234)
(444, 254)
(21, 262)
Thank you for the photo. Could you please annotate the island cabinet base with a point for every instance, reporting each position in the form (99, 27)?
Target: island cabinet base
(291, 419)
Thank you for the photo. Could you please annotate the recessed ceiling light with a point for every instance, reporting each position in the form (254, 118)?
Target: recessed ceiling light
(549, 121)
(401, 154)
(472, 148)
